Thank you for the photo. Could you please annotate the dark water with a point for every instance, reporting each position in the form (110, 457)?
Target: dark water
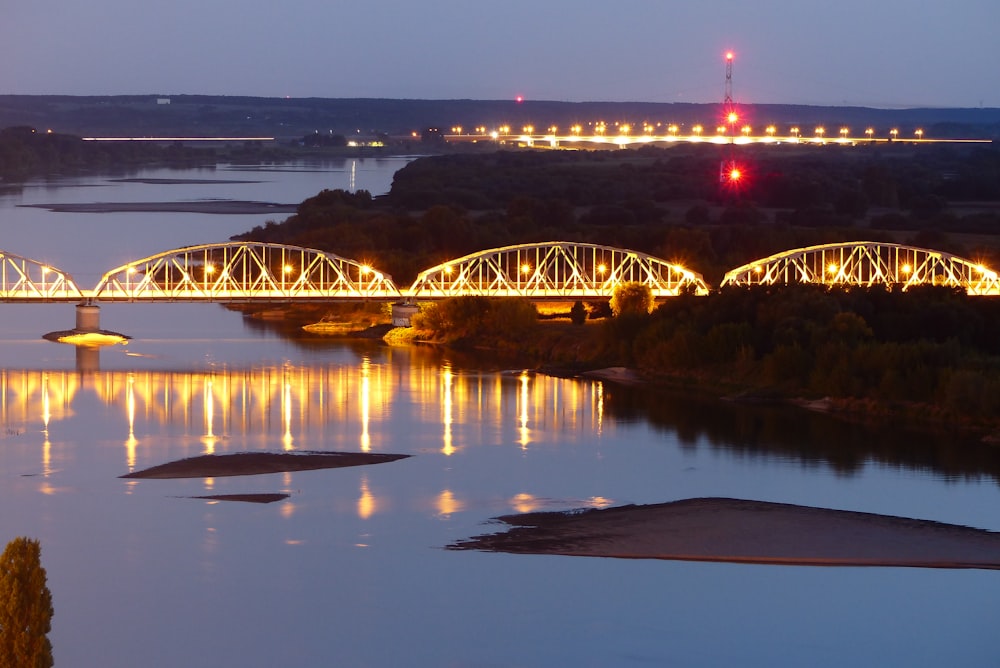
(350, 570)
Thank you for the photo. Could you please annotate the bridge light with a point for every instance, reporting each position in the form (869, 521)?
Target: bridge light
(209, 269)
(832, 268)
(732, 117)
(906, 269)
(601, 269)
(131, 269)
(365, 269)
(525, 268)
(287, 269)
(448, 269)
(757, 269)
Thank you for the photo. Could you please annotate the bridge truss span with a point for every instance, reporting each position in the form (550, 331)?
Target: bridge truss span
(244, 271)
(867, 263)
(26, 280)
(557, 270)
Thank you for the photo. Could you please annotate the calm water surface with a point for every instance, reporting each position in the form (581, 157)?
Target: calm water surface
(350, 570)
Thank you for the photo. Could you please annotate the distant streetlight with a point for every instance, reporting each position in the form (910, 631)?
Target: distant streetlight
(697, 130)
(843, 132)
(770, 130)
(870, 132)
(894, 132)
(920, 134)
(794, 131)
(745, 130)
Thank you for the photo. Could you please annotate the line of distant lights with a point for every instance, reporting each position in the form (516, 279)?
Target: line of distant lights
(162, 139)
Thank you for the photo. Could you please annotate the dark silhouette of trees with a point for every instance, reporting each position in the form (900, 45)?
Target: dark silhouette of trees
(25, 607)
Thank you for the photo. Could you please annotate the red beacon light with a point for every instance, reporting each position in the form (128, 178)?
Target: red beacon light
(519, 99)
(729, 55)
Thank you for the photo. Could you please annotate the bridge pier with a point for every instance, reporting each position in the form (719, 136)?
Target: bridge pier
(88, 318)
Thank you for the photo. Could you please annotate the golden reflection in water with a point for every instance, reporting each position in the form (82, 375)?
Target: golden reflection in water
(286, 413)
(368, 505)
(131, 442)
(209, 411)
(316, 404)
(523, 413)
(446, 408)
(447, 504)
(524, 503)
(366, 390)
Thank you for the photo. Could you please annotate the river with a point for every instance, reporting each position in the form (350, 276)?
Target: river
(350, 569)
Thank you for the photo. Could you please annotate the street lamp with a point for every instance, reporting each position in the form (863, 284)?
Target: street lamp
(920, 134)
(894, 132)
(870, 132)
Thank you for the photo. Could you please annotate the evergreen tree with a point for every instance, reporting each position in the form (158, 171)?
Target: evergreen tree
(25, 607)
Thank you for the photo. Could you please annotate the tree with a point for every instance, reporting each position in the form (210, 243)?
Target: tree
(25, 607)
(632, 299)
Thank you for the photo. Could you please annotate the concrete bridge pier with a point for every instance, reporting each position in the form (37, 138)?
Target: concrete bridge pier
(88, 318)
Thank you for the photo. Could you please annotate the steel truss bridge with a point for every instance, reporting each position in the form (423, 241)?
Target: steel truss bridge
(247, 272)
(866, 264)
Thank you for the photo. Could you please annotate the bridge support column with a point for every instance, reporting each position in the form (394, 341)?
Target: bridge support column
(88, 318)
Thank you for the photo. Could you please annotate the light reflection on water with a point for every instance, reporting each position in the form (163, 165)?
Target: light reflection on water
(319, 407)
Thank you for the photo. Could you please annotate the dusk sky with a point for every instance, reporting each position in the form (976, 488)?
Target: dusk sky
(881, 53)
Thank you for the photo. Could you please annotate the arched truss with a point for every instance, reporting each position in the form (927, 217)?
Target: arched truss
(867, 263)
(22, 279)
(244, 270)
(553, 270)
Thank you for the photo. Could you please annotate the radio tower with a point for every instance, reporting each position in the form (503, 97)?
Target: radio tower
(729, 170)
(727, 101)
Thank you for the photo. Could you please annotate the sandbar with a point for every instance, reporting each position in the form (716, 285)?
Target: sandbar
(254, 463)
(744, 531)
(245, 498)
(196, 206)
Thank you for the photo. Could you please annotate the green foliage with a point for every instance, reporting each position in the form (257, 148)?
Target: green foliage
(505, 323)
(631, 299)
(25, 607)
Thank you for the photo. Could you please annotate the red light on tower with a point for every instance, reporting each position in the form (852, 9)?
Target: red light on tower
(519, 99)
(729, 55)
(732, 175)
(735, 174)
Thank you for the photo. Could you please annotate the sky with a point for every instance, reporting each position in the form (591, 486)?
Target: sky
(876, 53)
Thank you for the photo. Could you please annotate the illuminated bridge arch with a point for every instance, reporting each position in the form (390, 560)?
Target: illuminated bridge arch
(22, 279)
(553, 270)
(243, 271)
(867, 263)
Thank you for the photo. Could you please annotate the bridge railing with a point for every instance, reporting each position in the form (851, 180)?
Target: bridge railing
(244, 271)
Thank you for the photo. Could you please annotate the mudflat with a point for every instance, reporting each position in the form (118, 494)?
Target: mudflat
(745, 531)
(254, 463)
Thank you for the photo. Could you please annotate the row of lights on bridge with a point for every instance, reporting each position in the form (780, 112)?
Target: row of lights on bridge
(625, 129)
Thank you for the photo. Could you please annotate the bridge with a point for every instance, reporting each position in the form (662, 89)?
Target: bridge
(250, 271)
(556, 270)
(866, 264)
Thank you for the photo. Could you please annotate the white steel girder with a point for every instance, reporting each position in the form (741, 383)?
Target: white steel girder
(867, 263)
(553, 270)
(244, 271)
(23, 279)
